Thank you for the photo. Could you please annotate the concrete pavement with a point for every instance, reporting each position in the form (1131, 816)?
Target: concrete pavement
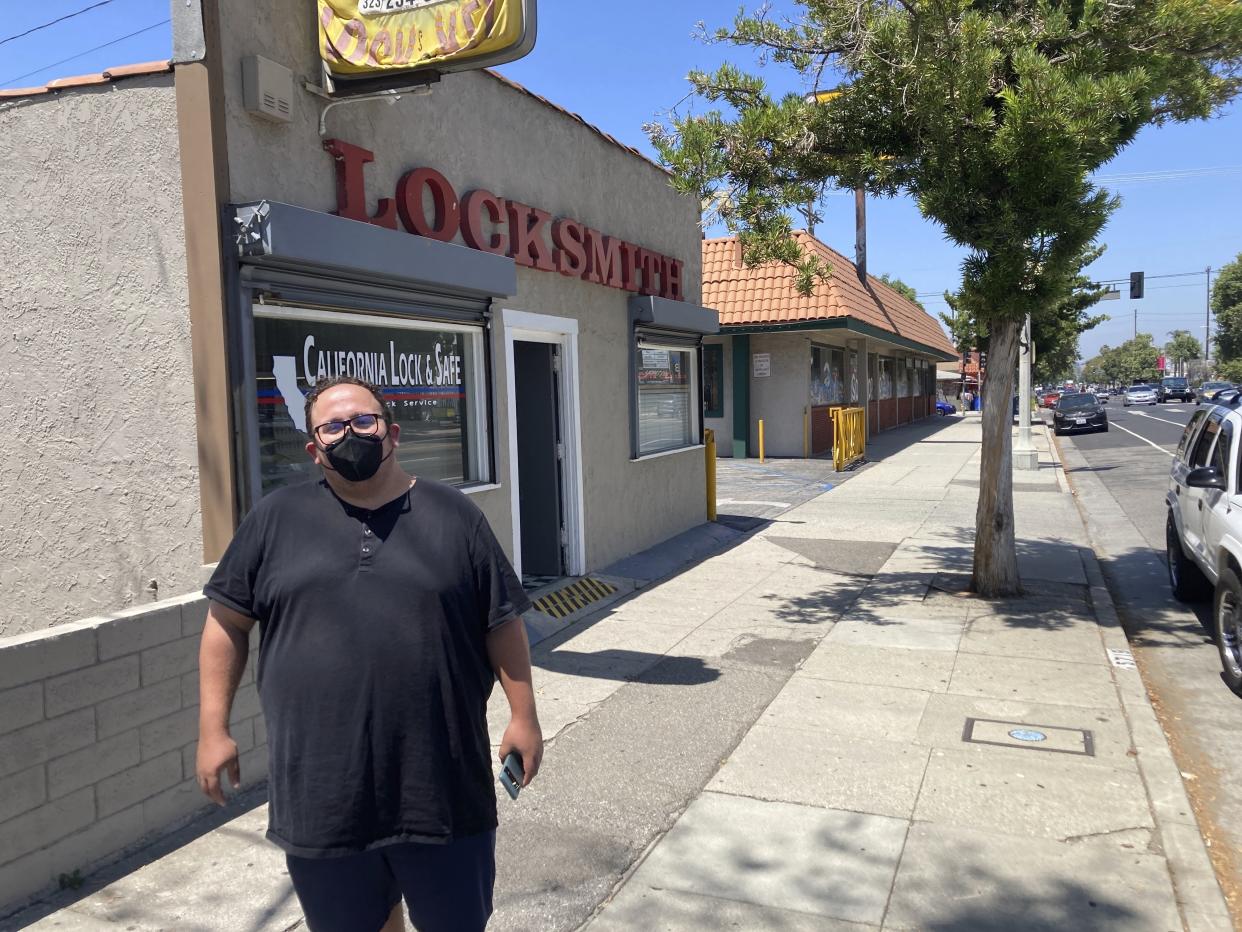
(940, 761)
(817, 728)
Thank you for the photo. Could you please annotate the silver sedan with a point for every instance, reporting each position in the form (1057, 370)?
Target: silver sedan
(1139, 395)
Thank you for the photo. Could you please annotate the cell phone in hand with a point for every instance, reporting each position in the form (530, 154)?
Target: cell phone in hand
(512, 775)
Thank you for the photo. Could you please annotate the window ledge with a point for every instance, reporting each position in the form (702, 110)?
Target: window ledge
(485, 487)
(663, 453)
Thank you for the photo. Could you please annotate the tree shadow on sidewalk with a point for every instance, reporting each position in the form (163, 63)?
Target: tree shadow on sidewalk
(1047, 602)
(944, 880)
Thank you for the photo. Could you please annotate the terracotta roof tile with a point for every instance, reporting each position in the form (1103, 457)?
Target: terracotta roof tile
(145, 67)
(90, 80)
(80, 80)
(767, 294)
(22, 91)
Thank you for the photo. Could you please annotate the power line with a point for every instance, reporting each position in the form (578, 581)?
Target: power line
(81, 54)
(1114, 281)
(1173, 174)
(87, 9)
(1117, 281)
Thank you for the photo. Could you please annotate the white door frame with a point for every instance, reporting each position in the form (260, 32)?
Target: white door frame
(562, 331)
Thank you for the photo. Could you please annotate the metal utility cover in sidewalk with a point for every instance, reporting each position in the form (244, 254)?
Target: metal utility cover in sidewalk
(1029, 737)
(574, 597)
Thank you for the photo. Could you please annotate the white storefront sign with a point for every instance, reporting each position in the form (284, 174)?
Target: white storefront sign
(762, 365)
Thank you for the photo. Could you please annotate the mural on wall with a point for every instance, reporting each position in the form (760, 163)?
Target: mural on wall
(903, 379)
(855, 398)
(827, 376)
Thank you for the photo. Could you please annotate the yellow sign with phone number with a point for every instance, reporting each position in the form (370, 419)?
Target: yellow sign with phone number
(360, 37)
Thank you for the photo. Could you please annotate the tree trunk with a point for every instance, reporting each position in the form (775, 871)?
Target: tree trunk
(996, 558)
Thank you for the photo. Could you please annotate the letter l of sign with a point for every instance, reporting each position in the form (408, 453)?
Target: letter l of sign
(351, 192)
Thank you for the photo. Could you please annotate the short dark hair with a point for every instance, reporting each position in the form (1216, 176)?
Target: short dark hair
(324, 384)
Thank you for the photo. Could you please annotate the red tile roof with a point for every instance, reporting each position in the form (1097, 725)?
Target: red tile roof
(89, 80)
(766, 295)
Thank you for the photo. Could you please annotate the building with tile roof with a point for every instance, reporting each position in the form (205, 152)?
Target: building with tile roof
(789, 358)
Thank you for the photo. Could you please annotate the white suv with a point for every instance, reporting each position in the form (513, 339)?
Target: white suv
(1203, 535)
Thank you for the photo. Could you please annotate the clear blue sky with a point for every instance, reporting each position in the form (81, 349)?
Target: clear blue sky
(621, 71)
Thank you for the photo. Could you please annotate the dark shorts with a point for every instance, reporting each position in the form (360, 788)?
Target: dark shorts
(445, 887)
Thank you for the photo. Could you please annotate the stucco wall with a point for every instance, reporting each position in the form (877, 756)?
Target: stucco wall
(781, 398)
(481, 133)
(99, 488)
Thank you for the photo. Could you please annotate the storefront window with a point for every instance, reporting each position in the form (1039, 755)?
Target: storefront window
(713, 380)
(887, 366)
(855, 398)
(903, 379)
(827, 376)
(431, 375)
(667, 398)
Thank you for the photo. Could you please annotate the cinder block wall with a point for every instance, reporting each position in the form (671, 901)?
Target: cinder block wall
(98, 728)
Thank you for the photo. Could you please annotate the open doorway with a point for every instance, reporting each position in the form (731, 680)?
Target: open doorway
(540, 454)
(545, 445)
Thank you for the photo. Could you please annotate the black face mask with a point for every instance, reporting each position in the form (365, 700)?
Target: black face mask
(356, 458)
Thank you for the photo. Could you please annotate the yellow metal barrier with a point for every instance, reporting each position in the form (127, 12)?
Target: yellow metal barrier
(849, 436)
(760, 440)
(709, 453)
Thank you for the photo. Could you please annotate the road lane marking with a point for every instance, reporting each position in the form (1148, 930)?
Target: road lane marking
(1144, 439)
(1154, 418)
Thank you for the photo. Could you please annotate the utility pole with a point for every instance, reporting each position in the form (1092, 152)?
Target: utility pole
(1207, 316)
(1025, 455)
(1136, 323)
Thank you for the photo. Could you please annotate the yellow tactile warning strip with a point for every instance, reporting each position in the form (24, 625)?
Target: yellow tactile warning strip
(574, 597)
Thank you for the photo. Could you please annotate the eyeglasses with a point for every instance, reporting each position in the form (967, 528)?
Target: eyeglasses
(364, 425)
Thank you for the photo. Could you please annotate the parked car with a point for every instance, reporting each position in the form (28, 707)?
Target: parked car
(1207, 391)
(1174, 387)
(1079, 411)
(1049, 399)
(943, 408)
(1203, 530)
(1139, 395)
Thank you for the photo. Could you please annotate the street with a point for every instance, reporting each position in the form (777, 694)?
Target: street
(1123, 474)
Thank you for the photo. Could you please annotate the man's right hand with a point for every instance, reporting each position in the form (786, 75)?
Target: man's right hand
(216, 753)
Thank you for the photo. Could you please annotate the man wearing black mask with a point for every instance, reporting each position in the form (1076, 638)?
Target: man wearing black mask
(386, 609)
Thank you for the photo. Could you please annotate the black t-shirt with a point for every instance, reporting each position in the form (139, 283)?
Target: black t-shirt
(373, 671)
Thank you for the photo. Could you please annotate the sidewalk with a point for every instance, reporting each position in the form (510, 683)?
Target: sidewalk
(815, 729)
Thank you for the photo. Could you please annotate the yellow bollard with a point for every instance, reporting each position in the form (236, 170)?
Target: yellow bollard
(709, 453)
(760, 440)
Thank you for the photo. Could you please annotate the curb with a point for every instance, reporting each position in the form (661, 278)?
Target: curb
(1200, 900)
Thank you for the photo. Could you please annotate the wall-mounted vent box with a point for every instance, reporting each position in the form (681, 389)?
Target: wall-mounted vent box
(267, 88)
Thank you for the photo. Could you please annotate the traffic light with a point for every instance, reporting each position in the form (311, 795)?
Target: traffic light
(1136, 285)
(983, 360)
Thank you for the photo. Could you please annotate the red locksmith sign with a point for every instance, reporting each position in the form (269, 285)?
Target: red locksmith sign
(487, 222)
